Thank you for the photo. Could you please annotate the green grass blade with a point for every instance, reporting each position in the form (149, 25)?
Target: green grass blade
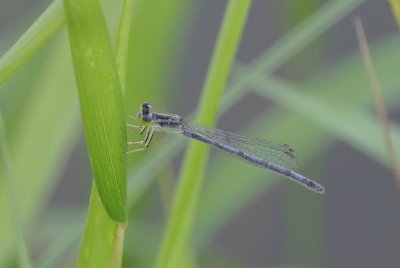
(185, 200)
(101, 106)
(101, 102)
(38, 34)
(6, 173)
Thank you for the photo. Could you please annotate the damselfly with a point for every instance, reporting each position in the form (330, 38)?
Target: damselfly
(280, 158)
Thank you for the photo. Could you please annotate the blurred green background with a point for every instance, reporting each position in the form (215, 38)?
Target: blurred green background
(311, 91)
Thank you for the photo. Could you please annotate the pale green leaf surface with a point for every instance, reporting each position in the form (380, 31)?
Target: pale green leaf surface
(6, 174)
(53, 108)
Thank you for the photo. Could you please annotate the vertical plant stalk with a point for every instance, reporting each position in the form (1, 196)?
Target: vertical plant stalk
(379, 104)
(103, 239)
(192, 173)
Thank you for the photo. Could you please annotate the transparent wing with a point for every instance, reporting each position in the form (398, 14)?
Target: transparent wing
(281, 154)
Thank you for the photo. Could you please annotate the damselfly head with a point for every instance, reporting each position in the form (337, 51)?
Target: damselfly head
(145, 112)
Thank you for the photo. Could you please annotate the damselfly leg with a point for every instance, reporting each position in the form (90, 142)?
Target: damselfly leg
(145, 142)
(139, 129)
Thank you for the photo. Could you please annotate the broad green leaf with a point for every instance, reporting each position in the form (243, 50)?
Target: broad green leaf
(103, 238)
(100, 101)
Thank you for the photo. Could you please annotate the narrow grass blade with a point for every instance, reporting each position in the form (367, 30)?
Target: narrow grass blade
(7, 175)
(101, 102)
(186, 197)
(39, 33)
(377, 95)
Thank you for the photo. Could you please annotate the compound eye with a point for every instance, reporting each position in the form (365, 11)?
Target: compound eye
(146, 105)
